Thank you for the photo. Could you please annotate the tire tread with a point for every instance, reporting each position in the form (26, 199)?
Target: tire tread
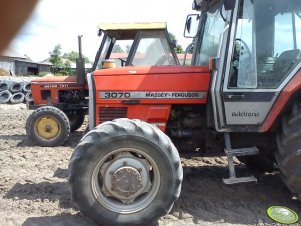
(40, 111)
(289, 153)
(121, 127)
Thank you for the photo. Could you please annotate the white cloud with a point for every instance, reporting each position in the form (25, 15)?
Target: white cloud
(60, 21)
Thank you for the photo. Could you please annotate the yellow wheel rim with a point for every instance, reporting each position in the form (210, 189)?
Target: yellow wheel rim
(47, 128)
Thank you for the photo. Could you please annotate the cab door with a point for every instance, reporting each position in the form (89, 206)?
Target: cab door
(245, 102)
(263, 55)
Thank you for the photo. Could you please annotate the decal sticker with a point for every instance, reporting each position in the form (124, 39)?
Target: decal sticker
(57, 85)
(282, 215)
(151, 95)
(245, 114)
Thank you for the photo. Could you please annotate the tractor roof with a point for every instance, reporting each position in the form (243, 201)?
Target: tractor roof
(125, 31)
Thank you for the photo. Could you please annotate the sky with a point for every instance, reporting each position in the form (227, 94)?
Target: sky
(56, 22)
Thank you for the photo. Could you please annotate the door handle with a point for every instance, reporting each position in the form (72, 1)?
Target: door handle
(235, 96)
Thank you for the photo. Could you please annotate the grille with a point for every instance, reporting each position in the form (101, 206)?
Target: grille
(108, 114)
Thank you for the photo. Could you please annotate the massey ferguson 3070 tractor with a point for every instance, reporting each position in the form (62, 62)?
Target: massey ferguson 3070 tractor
(242, 94)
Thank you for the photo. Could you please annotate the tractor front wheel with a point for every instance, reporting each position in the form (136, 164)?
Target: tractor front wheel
(289, 150)
(48, 126)
(125, 172)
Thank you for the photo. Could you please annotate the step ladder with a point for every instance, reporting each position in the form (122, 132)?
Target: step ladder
(237, 152)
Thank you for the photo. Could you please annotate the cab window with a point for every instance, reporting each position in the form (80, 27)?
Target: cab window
(153, 49)
(212, 30)
(267, 43)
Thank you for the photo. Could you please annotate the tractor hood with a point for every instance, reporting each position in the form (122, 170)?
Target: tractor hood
(150, 70)
(59, 79)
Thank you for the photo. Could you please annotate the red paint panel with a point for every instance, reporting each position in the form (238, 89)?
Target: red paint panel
(176, 79)
(55, 79)
(54, 84)
(287, 92)
(151, 114)
(141, 70)
(157, 114)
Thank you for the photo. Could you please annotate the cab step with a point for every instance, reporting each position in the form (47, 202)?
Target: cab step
(237, 152)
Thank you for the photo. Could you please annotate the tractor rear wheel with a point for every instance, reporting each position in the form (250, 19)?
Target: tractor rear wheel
(76, 119)
(48, 126)
(125, 172)
(288, 155)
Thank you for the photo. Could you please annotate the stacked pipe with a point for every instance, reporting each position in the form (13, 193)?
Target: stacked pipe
(15, 90)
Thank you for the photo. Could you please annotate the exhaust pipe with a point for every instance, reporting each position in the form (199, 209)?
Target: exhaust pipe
(80, 64)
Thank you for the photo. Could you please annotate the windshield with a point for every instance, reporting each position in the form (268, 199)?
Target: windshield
(153, 49)
(141, 47)
(212, 29)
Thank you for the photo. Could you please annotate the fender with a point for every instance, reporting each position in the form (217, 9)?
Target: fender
(292, 87)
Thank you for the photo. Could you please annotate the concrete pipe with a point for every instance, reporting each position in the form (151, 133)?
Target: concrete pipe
(28, 97)
(16, 87)
(5, 96)
(17, 98)
(4, 85)
(26, 87)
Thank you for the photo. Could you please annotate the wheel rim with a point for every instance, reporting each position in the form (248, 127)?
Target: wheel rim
(47, 128)
(126, 180)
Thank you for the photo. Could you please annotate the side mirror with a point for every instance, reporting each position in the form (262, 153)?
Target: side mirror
(191, 25)
(229, 5)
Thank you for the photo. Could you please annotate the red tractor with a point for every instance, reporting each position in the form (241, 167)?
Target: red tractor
(61, 102)
(242, 94)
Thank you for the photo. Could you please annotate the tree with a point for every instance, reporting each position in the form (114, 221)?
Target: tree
(178, 48)
(55, 57)
(66, 70)
(72, 56)
(117, 49)
(127, 48)
(172, 37)
(60, 66)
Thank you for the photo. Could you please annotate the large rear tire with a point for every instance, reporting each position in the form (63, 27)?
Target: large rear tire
(125, 172)
(48, 126)
(289, 150)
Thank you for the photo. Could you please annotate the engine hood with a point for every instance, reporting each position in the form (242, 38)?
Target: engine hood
(58, 79)
(151, 70)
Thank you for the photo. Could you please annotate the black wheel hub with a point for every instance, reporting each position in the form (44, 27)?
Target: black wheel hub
(126, 181)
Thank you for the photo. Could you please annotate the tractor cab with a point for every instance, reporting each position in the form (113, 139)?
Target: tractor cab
(126, 44)
(255, 46)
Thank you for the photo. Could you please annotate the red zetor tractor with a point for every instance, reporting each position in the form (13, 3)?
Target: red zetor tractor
(242, 94)
(61, 103)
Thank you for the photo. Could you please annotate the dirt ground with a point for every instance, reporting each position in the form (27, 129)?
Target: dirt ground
(34, 191)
